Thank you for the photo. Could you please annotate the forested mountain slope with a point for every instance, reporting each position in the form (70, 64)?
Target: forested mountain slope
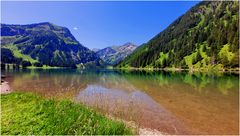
(207, 36)
(43, 43)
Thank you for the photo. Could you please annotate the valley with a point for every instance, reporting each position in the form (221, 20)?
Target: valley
(120, 68)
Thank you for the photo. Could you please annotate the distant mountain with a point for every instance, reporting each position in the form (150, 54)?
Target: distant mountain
(114, 54)
(45, 43)
(207, 36)
(95, 49)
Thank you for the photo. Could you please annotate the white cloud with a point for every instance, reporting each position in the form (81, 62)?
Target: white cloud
(75, 28)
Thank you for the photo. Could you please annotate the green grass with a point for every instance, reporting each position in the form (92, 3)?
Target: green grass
(27, 114)
(202, 21)
(189, 59)
(203, 63)
(17, 53)
(34, 67)
(226, 55)
(162, 56)
(44, 67)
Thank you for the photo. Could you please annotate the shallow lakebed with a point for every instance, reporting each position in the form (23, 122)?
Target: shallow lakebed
(170, 102)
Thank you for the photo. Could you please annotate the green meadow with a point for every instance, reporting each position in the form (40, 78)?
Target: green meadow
(28, 114)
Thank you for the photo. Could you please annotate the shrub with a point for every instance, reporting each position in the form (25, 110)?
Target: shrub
(37, 64)
(26, 63)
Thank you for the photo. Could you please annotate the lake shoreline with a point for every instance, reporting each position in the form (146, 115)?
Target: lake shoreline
(73, 111)
(149, 99)
(5, 88)
(234, 70)
(129, 124)
(203, 70)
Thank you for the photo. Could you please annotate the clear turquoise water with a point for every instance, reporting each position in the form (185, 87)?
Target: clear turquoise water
(170, 102)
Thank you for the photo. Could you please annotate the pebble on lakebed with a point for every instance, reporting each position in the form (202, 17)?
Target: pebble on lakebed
(5, 88)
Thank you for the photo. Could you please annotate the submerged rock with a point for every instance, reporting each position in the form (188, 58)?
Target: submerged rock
(5, 88)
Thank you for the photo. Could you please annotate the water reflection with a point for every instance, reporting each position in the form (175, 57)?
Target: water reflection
(66, 77)
(172, 102)
(132, 105)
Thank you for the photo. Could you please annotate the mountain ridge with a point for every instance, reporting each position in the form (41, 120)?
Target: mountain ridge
(206, 36)
(47, 44)
(114, 54)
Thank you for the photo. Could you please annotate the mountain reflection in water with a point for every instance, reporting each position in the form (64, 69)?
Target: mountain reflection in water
(171, 102)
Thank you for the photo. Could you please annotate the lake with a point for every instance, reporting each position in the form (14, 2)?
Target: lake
(170, 102)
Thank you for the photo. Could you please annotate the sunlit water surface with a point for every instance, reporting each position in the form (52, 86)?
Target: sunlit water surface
(170, 102)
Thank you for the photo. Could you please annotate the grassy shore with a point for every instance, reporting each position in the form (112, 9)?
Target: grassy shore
(25, 113)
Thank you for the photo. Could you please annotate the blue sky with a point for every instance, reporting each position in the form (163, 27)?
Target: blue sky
(99, 24)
